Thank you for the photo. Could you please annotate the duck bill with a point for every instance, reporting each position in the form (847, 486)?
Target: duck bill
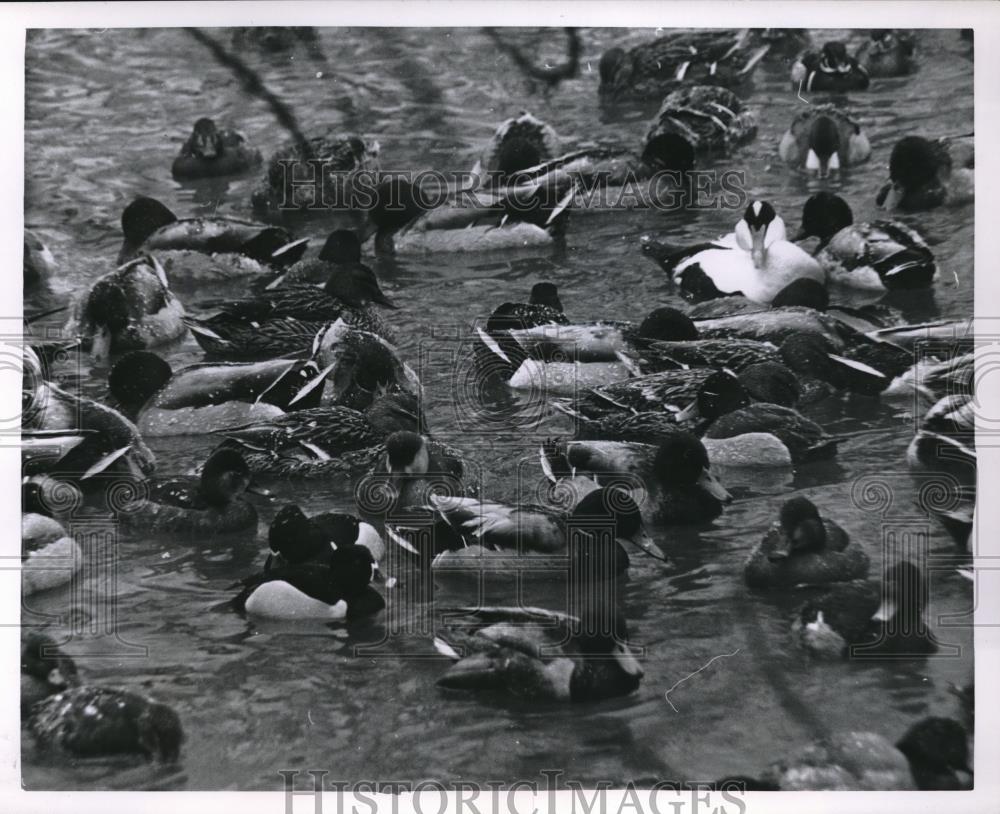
(255, 489)
(628, 663)
(642, 539)
(781, 553)
(885, 611)
(710, 484)
(758, 252)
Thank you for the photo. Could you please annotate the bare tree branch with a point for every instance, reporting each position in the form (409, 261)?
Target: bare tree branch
(550, 75)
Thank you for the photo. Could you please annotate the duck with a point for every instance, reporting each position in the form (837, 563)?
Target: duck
(327, 433)
(45, 669)
(50, 555)
(211, 505)
(130, 308)
(804, 547)
(72, 719)
(210, 152)
(339, 269)
(291, 311)
(334, 591)
(527, 215)
(933, 754)
(675, 474)
(39, 264)
(758, 262)
(537, 654)
(927, 173)
(648, 71)
(209, 397)
(411, 469)
(829, 69)
(882, 255)
(931, 379)
(945, 441)
(824, 139)
(201, 251)
(887, 53)
(485, 532)
(291, 189)
(294, 538)
(82, 430)
(697, 120)
(868, 618)
(519, 143)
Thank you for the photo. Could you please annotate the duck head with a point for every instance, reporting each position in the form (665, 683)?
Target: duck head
(771, 383)
(823, 215)
(720, 393)
(294, 537)
(824, 147)
(342, 246)
(135, 378)
(682, 462)
(141, 219)
(668, 324)
(611, 60)
(353, 568)
(45, 669)
(613, 504)
(546, 294)
(759, 229)
(205, 141)
(937, 749)
(833, 59)
(600, 630)
(407, 454)
(914, 165)
(668, 152)
(224, 477)
(803, 530)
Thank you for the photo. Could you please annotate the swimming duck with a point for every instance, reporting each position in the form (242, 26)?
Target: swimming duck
(823, 139)
(925, 173)
(295, 538)
(804, 547)
(50, 556)
(210, 152)
(675, 474)
(932, 379)
(213, 504)
(412, 469)
(538, 654)
(130, 308)
(96, 429)
(204, 250)
(336, 590)
(648, 71)
(45, 669)
(758, 262)
(519, 143)
(887, 53)
(323, 434)
(946, 439)
(39, 264)
(933, 754)
(869, 618)
(208, 397)
(829, 69)
(692, 121)
(523, 215)
(339, 269)
(282, 193)
(485, 530)
(882, 255)
(90, 722)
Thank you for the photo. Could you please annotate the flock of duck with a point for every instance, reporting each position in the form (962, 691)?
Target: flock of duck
(302, 379)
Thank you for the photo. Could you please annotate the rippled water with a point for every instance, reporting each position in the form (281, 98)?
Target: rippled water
(105, 114)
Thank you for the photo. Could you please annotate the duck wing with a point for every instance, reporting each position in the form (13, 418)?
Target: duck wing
(322, 431)
(734, 354)
(670, 390)
(805, 439)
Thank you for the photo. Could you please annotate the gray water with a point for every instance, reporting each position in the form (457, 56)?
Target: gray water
(105, 114)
